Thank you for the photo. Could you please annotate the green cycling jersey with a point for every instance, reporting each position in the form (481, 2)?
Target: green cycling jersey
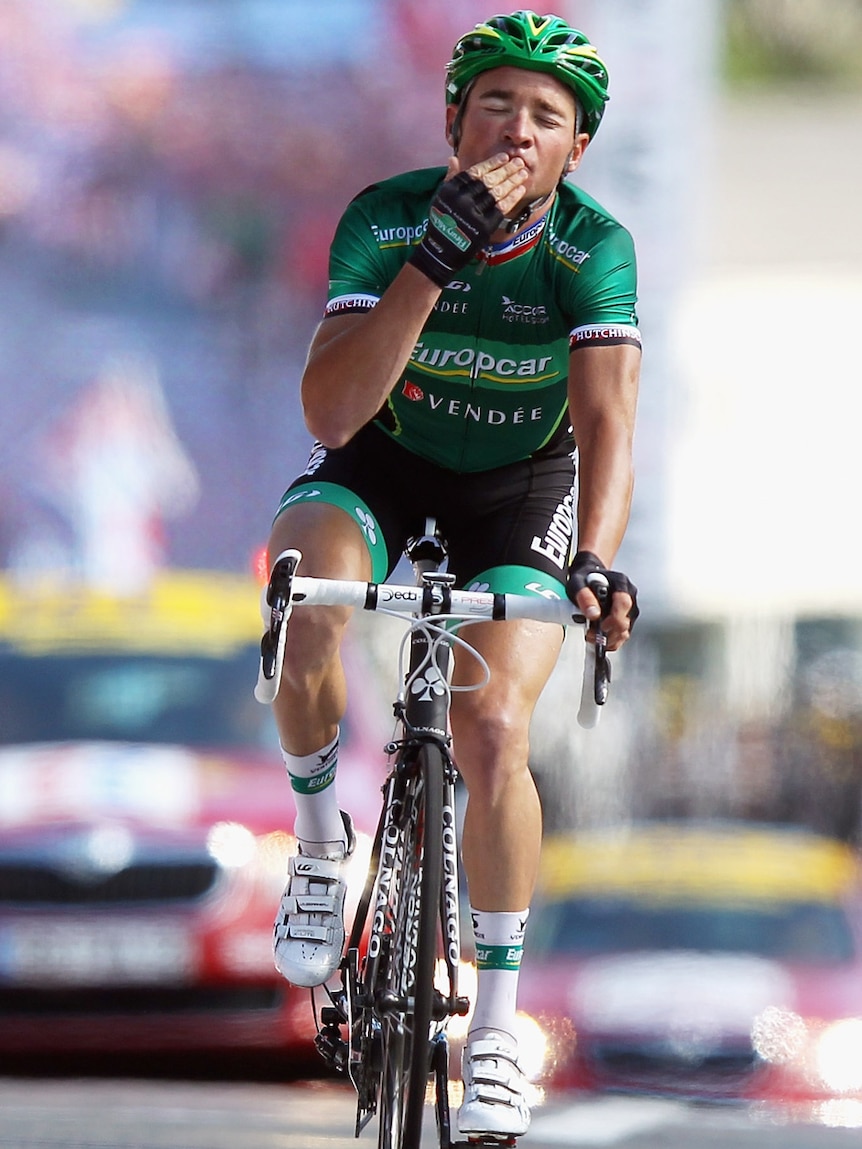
(486, 384)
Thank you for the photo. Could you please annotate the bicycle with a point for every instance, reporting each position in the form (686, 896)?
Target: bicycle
(386, 1025)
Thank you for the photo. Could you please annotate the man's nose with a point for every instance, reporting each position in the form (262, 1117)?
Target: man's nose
(518, 129)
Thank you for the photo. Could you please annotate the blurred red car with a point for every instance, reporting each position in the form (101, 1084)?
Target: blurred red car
(142, 812)
(712, 961)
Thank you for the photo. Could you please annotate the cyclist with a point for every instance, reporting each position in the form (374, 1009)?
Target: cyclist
(480, 335)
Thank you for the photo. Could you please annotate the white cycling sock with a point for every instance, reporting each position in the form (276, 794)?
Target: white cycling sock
(499, 948)
(319, 826)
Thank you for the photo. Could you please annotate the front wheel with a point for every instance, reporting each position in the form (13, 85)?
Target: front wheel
(406, 989)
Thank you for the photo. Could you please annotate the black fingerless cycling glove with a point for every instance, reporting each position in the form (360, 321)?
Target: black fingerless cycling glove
(586, 563)
(462, 218)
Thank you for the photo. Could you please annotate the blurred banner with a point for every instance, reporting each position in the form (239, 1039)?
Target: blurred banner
(114, 467)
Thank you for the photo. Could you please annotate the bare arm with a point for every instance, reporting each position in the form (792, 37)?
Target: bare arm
(603, 388)
(355, 360)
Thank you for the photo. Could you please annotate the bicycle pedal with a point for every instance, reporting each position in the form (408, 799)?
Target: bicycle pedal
(332, 1048)
(486, 1141)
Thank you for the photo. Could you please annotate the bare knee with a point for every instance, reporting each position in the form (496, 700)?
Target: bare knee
(491, 747)
(331, 546)
(314, 637)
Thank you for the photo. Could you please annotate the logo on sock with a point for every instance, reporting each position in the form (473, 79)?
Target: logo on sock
(499, 957)
(322, 775)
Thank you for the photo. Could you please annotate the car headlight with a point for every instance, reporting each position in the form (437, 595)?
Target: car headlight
(838, 1113)
(231, 844)
(532, 1046)
(779, 1036)
(838, 1055)
(828, 1056)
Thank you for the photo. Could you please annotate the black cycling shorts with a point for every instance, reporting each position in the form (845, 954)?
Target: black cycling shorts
(508, 530)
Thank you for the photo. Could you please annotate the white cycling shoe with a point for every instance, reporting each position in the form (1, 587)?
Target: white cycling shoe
(495, 1090)
(308, 935)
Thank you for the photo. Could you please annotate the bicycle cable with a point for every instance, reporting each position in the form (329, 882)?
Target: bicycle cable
(437, 635)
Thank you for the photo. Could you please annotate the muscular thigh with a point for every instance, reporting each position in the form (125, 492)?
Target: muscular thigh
(520, 656)
(491, 725)
(331, 546)
(330, 542)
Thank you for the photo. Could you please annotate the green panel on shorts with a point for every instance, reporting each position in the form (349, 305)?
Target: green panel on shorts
(518, 580)
(337, 496)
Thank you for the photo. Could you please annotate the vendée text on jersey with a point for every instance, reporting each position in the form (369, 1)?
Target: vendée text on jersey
(469, 410)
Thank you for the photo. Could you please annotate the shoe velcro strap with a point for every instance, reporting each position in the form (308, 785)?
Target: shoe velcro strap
(288, 931)
(309, 904)
(316, 869)
(484, 1050)
(482, 1085)
(489, 1075)
(309, 933)
(484, 1058)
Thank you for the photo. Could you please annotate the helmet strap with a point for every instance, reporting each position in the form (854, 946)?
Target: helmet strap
(455, 131)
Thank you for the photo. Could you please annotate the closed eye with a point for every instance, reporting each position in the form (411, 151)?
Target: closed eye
(500, 104)
(496, 107)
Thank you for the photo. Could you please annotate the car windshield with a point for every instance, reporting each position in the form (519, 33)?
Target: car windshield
(801, 932)
(133, 697)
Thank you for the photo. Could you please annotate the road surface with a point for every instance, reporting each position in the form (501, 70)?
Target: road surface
(127, 1114)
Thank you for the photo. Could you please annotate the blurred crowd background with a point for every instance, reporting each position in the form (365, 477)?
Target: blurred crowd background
(170, 177)
(171, 172)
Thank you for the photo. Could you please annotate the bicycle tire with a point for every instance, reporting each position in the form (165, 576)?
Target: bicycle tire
(415, 946)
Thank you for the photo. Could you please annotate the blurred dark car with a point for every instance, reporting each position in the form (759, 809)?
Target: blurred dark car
(142, 812)
(717, 961)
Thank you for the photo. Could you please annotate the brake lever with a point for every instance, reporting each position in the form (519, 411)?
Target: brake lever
(600, 587)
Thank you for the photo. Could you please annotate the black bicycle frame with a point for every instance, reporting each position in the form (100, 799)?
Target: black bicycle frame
(425, 718)
(423, 712)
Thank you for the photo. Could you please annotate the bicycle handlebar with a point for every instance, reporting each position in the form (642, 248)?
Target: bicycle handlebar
(432, 599)
(436, 598)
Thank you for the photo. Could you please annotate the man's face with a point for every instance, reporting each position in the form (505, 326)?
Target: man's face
(527, 114)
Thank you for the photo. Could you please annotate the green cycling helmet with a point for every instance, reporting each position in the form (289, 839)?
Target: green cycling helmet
(540, 43)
